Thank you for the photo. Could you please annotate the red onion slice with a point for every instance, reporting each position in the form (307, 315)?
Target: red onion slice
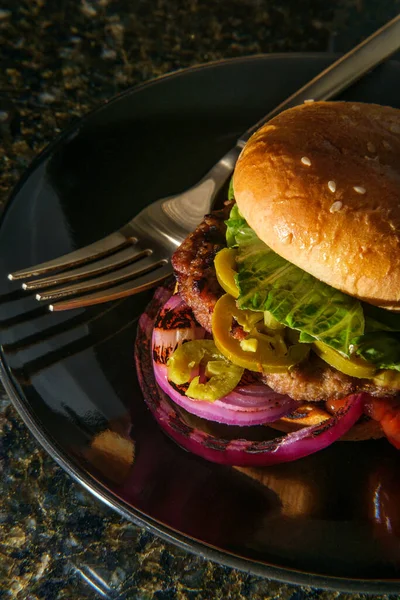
(232, 409)
(174, 324)
(240, 452)
(250, 397)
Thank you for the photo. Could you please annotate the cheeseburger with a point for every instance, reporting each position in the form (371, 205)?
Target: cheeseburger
(286, 311)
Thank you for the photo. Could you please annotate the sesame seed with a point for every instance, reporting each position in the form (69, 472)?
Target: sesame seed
(309, 101)
(306, 161)
(336, 206)
(371, 147)
(351, 348)
(359, 189)
(394, 128)
(355, 107)
(332, 186)
(386, 145)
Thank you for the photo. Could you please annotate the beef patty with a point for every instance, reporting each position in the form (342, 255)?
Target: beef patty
(314, 380)
(193, 262)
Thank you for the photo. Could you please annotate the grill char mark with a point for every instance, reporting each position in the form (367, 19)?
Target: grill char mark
(193, 264)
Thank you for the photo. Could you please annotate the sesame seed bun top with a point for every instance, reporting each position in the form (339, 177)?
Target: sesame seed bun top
(320, 184)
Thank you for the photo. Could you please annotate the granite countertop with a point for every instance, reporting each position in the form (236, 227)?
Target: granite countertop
(58, 60)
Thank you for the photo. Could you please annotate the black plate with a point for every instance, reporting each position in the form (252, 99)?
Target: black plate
(329, 520)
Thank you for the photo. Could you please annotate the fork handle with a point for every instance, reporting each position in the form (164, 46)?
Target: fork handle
(342, 73)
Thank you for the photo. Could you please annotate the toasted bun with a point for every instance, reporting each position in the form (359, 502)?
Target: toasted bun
(310, 414)
(320, 184)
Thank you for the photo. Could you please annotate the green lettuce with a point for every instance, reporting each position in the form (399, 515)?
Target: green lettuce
(268, 282)
(231, 193)
(380, 348)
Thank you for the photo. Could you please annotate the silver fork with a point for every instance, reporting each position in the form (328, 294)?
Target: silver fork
(137, 256)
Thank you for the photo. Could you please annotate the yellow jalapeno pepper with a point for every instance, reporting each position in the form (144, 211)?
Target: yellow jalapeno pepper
(388, 378)
(271, 322)
(225, 268)
(267, 356)
(223, 376)
(354, 366)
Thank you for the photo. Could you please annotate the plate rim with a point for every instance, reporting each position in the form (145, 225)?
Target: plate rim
(89, 482)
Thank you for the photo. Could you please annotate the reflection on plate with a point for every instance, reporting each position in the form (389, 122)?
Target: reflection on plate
(334, 516)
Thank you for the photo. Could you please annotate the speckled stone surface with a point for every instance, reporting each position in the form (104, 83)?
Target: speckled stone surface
(59, 59)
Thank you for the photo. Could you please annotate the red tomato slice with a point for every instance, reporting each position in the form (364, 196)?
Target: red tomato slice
(387, 412)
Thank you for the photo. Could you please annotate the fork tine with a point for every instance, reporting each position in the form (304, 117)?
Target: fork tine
(96, 250)
(128, 288)
(139, 268)
(115, 261)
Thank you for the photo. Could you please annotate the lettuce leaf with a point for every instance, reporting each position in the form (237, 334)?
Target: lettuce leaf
(231, 193)
(380, 348)
(266, 281)
(233, 226)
